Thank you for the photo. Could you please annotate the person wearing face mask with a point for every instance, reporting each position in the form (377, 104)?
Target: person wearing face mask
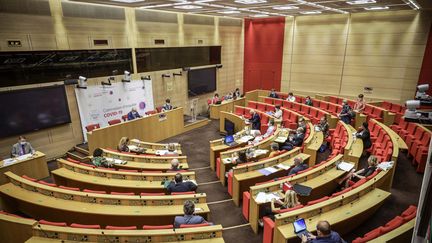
(133, 114)
(294, 140)
(22, 147)
(273, 94)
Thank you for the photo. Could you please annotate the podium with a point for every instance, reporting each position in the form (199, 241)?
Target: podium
(193, 109)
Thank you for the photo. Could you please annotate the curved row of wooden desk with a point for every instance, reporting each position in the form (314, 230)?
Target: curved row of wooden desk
(34, 166)
(151, 148)
(57, 204)
(226, 106)
(76, 175)
(16, 229)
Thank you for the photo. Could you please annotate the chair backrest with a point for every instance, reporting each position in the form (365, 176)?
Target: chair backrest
(115, 121)
(92, 127)
(152, 194)
(70, 188)
(193, 225)
(93, 191)
(317, 201)
(45, 222)
(152, 227)
(29, 178)
(125, 117)
(85, 226)
(110, 227)
(123, 193)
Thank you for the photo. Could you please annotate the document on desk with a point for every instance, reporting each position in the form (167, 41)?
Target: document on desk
(345, 166)
(267, 171)
(9, 161)
(246, 138)
(116, 161)
(263, 197)
(161, 152)
(280, 139)
(259, 152)
(227, 160)
(283, 167)
(23, 157)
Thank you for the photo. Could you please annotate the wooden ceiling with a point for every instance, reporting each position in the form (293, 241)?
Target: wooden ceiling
(266, 8)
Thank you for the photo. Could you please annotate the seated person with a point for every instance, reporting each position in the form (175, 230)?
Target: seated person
(22, 147)
(123, 145)
(270, 129)
(229, 96)
(133, 114)
(255, 120)
(236, 93)
(345, 114)
(294, 140)
(299, 165)
(364, 134)
(301, 123)
(289, 200)
(360, 105)
(100, 161)
(241, 158)
(274, 148)
(323, 126)
(277, 114)
(324, 234)
(355, 176)
(273, 94)
(175, 165)
(308, 101)
(171, 149)
(167, 106)
(188, 217)
(291, 97)
(257, 137)
(178, 185)
(215, 99)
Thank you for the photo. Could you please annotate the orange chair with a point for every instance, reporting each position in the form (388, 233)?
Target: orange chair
(115, 121)
(92, 127)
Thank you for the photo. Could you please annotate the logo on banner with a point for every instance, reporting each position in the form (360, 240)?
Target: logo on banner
(142, 105)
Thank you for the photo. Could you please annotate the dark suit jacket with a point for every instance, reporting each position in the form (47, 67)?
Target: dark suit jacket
(297, 139)
(256, 122)
(133, 115)
(365, 136)
(274, 95)
(185, 186)
(17, 149)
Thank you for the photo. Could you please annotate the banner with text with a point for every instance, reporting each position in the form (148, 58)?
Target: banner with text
(99, 104)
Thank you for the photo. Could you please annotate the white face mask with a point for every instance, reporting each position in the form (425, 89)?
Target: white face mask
(22, 143)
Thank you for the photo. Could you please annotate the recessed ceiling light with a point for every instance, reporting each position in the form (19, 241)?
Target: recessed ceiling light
(229, 12)
(250, 1)
(259, 15)
(376, 8)
(359, 2)
(188, 7)
(311, 12)
(285, 7)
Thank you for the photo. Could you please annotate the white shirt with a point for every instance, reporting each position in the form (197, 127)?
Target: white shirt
(291, 98)
(278, 114)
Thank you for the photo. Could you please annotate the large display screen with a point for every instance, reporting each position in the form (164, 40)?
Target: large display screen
(154, 59)
(201, 81)
(32, 67)
(29, 110)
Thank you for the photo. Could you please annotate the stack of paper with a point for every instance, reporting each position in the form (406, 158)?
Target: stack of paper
(267, 171)
(283, 167)
(161, 152)
(263, 197)
(9, 161)
(345, 166)
(246, 138)
(116, 161)
(280, 139)
(23, 157)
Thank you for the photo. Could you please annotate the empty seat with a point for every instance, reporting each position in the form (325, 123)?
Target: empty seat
(47, 183)
(193, 225)
(153, 227)
(115, 121)
(110, 227)
(45, 222)
(317, 201)
(85, 226)
(152, 194)
(29, 178)
(70, 188)
(93, 191)
(123, 193)
(182, 193)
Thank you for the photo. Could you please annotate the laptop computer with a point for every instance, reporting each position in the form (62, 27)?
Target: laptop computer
(300, 228)
(229, 140)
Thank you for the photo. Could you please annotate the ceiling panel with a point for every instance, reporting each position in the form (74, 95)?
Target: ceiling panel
(263, 8)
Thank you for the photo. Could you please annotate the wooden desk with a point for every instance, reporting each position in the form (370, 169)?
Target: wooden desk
(35, 167)
(239, 123)
(151, 128)
(212, 234)
(154, 146)
(343, 219)
(264, 144)
(360, 118)
(15, 229)
(313, 143)
(50, 208)
(249, 175)
(402, 233)
(354, 148)
(321, 179)
(227, 106)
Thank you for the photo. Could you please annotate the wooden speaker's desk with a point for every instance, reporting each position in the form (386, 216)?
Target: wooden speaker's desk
(151, 128)
(34, 166)
(226, 105)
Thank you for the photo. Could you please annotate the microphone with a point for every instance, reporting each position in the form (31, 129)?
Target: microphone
(43, 231)
(106, 237)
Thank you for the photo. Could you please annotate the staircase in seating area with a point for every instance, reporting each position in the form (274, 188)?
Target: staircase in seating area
(79, 152)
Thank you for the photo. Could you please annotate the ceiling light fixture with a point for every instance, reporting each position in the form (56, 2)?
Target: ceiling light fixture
(359, 2)
(229, 12)
(376, 8)
(128, 1)
(259, 15)
(250, 1)
(285, 7)
(310, 12)
(320, 6)
(187, 7)
(413, 4)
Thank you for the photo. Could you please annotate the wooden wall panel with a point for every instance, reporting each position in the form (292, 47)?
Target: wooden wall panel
(58, 32)
(342, 54)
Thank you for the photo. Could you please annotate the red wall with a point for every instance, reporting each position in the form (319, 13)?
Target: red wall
(425, 76)
(263, 52)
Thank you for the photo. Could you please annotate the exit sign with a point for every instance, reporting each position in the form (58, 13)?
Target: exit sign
(14, 43)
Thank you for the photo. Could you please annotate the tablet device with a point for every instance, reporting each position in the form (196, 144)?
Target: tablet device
(300, 227)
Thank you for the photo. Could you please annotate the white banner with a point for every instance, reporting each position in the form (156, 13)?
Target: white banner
(99, 104)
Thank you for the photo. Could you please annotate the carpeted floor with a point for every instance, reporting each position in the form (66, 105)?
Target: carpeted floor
(195, 144)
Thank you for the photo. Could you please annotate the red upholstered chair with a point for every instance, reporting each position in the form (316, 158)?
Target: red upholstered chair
(409, 217)
(333, 99)
(393, 224)
(92, 127)
(323, 105)
(278, 102)
(373, 234)
(368, 110)
(45, 222)
(410, 210)
(341, 192)
(296, 107)
(230, 182)
(70, 188)
(85, 226)
(317, 201)
(290, 209)
(87, 165)
(268, 230)
(261, 107)
(193, 225)
(239, 111)
(115, 121)
(151, 112)
(287, 104)
(182, 193)
(417, 143)
(93, 191)
(124, 170)
(268, 100)
(152, 194)
(409, 130)
(47, 183)
(123, 193)
(125, 117)
(386, 105)
(159, 109)
(73, 160)
(245, 208)
(153, 227)
(29, 178)
(110, 227)
(218, 162)
(332, 108)
(252, 105)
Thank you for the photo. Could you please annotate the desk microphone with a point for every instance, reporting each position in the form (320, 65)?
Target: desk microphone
(106, 237)
(175, 233)
(43, 231)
